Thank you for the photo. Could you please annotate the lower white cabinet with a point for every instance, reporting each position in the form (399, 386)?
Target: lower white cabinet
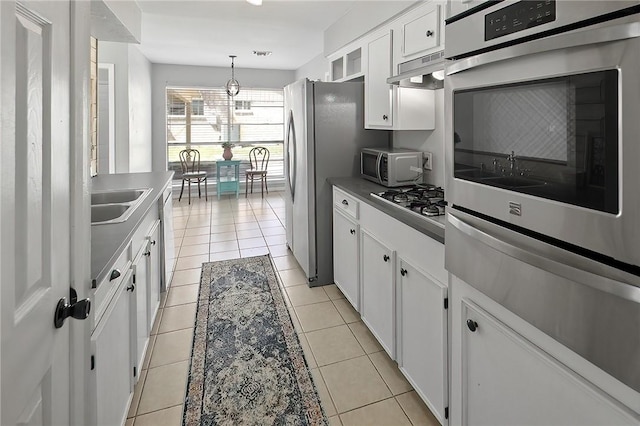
(378, 294)
(422, 335)
(502, 377)
(140, 290)
(345, 257)
(155, 272)
(112, 343)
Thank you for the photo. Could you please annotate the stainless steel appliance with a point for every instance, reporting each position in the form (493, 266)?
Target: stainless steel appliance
(541, 122)
(324, 136)
(423, 200)
(391, 167)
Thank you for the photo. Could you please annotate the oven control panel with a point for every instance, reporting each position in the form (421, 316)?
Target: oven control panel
(517, 17)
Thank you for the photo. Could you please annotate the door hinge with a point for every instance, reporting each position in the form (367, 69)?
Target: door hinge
(134, 278)
(93, 362)
(135, 372)
(446, 412)
(446, 303)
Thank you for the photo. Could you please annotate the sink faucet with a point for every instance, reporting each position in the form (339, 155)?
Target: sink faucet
(513, 167)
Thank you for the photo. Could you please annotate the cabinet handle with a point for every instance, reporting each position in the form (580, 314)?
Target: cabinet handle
(114, 274)
(403, 272)
(147, 253)
(153, 243)
(353, 231)
(472, 325)
(385, 257)
(131, 288)
(429, 33)
(385, 117)
(345, 202)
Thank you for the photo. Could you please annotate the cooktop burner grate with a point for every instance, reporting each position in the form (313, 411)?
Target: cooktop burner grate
(423, 200)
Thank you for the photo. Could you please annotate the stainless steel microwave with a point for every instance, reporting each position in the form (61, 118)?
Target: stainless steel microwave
(391, 167)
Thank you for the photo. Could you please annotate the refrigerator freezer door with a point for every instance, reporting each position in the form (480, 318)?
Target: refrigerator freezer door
(298, 176)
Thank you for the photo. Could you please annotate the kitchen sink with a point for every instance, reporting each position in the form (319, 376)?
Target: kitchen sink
(118, 196)
(109, 213)
(115, 206)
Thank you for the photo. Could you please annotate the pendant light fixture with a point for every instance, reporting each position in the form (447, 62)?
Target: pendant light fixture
(232, 86)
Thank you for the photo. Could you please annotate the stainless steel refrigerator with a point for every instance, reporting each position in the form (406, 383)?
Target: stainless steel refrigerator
(324, 134)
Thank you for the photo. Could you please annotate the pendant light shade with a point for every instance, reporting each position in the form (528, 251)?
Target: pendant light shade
(232, 86)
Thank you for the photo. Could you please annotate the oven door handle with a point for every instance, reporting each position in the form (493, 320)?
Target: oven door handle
(378, 162)
(561, 41)
(564, 264)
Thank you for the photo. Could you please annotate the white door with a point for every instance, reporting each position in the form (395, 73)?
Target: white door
(34, 210)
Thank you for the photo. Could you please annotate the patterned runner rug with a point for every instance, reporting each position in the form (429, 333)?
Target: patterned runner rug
(247, 365)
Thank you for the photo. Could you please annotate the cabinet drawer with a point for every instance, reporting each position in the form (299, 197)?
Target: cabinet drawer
(108, 286)
(345, 203)
(422, 33)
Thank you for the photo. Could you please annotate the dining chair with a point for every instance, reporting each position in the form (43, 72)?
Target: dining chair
(190, 162)
(258, 162)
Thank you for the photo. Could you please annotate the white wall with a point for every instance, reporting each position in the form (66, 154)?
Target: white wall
(132, 105)
(192, 76)
(428, 140)
(315, 69)
(362, 18)
(140, 146)
(118, 55)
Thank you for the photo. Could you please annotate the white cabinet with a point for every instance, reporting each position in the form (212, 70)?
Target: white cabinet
(140, 290)
(504, 375)
(346, 64)
(419, 32)
(155, 272)
(111, 378)
(388, 106)
(378, 293)
(378, 93)
(422, 335)
(168, 249)
(345, 257)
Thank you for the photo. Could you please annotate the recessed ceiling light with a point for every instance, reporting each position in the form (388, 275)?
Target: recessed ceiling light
(255, 2)
(261, 52)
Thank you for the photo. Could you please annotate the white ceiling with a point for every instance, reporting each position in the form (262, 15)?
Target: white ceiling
(207, 32)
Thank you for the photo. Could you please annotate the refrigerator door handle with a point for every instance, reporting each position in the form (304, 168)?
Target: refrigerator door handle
(571, 267)
(291, 178)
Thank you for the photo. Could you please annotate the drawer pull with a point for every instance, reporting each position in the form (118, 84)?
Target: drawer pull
(345, 202)
(386, 258)
(403, 272)
(429, 33)
(353, 231)
(114, 274)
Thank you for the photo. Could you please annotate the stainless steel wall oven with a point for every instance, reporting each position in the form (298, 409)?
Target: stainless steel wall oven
(542, 128)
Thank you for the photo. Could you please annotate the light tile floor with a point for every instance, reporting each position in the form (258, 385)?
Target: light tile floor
(357, 382)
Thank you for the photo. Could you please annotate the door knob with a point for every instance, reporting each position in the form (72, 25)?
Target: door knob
(403, 272)
(385, 117)
(78, 309)
(472, 325)
(353, 231)
(114, 274)
(429, 33)
(385, 257)
(345, 202)
(131, 288)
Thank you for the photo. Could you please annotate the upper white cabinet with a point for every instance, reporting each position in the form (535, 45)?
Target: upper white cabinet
(346, 64)
(387, 106)
(378, 93)
(420, 31)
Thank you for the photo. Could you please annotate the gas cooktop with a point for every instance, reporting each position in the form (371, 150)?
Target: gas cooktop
(424, 200)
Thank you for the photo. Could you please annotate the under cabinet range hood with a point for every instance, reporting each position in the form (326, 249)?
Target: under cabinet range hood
(426, 72)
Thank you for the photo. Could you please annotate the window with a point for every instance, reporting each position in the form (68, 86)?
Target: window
(255, 117)
(197, 107)
(176, 107)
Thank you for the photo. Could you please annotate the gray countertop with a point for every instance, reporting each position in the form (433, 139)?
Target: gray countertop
(109, 240)
(362, 189)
